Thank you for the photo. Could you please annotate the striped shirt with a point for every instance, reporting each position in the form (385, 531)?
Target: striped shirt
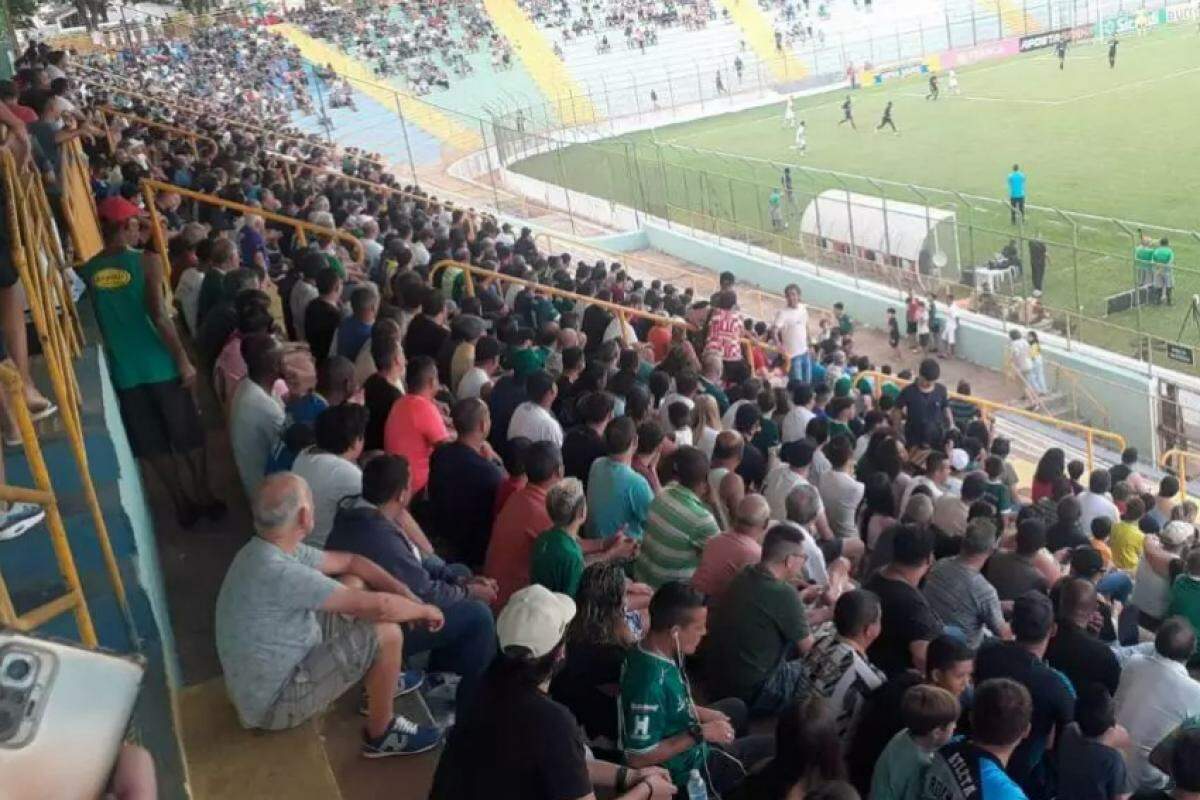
(677, 526)
(963, 598)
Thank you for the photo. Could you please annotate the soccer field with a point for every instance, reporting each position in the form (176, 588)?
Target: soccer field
(1110, 143)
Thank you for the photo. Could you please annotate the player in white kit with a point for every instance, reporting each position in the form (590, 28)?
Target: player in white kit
(952, 82)
(789, 114)
(801, 142)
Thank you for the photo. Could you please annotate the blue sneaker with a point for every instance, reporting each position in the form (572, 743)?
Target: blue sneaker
(403, 737)
(409, 681)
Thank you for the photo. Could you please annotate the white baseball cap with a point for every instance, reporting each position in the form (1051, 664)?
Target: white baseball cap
(534, 618)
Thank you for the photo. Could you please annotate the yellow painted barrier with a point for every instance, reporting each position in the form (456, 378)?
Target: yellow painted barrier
(760, 35)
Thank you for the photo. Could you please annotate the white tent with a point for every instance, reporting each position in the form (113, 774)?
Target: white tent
(882, 230)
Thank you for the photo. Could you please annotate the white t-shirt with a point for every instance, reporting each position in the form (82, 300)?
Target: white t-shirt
(668, 399)
(792, 324)
(472, 382)
(187, 292)
(779, 484)
(613, 331)
(730, 414)
(302, 294)
(795, 423)
(331, 478)
(535, 423)
(1018, 350)
(255, 420)
(1092, 506)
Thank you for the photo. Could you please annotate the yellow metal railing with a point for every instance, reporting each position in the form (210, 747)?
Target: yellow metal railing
(987, 408)
(1176, 460)
(78, 203)
(193, 138)
(151, 188)
(39, 261)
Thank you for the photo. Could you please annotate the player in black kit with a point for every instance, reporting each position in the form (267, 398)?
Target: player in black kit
(1060, 50)
(1112, 53)
(847, 114)
(887, 119)
(933, 88)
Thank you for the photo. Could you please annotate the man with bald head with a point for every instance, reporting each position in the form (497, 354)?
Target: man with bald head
(296, 627)
(728, 553)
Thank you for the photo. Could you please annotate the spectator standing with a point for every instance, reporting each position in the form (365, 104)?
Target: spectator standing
(724, 335)
(926, 407)
(678, 524)
(841, 494)
(1096, 501)
(464, 477)
(791, 332)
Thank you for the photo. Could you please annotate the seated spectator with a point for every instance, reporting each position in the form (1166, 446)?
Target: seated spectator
(1155, 696)
(383, 388)
(753, 464)
(1101, 530)
(532, 418)
(808, 755)
(1096, 502)
(797, 458)
(330, 467)
(908, 622)
(415, 425)
(255, 416)
(757, 624)
(584, 443)
(929, 715)
(1050, 468)
(597, 641)
(464, 476)
(975, 767)
(490, 752)
(660, 725)
(366, 525)
(950, 511)
(1126, 472)
(959, 595)
(323, 315)
(1015, 573)
(1127, 539)
(949, 665)
(1159, 566)
(1185, 592)
(996, 489)
(1065, 532)
(651, 443)
(727, 554)
(354, 331)
(1164, 502)
(1090, 764)
(477, 381)
(559, 556)
(678, 524)
(726, 486)
(1053, 699)
(838, 666)
(522, 520)
(292, 638)
(618, 497)
(1075, 650)
(841, 494)
(427, 332)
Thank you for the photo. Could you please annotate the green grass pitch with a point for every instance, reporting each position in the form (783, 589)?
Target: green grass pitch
(1115, 143)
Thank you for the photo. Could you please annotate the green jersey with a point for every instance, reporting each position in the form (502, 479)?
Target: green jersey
(136, 352)
(655, 706)
(1144, 256)
(1164, 255)
(557, 562)
(774, 200)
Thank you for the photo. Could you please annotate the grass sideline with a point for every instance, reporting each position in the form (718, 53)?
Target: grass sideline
(1111, 143)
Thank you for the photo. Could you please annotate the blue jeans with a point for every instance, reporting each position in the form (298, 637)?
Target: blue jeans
(800, 368)
(465, 645)
(1116, 585)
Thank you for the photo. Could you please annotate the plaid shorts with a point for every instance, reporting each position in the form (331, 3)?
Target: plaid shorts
(346, 651)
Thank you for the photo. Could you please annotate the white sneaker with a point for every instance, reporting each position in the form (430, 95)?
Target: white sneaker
(19, 518)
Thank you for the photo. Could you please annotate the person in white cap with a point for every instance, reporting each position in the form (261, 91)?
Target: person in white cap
(514, 741)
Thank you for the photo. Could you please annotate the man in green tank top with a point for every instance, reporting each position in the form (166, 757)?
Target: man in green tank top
(149, 367)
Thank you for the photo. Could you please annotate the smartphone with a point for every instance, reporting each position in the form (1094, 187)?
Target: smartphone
(63, 715)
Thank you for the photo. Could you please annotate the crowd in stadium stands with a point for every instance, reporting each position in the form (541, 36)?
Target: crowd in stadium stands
(423, 44)
(626, 539)
(638, 21)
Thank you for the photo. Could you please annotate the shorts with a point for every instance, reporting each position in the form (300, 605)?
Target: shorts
(830, 548)
(8, 270)
(911, 328)
(346, 652)
(160, 419)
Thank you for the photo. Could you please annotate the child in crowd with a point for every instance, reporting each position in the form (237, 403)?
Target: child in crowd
(922, 317)
(996, 489)
(929, 714)
(1090, 764)
(1101, 528)
(845, 325)
(893, 328)
(1075, 470)
(680, 417)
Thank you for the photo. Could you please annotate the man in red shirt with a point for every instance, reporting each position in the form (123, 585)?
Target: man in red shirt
(521, 521)
(415, 425)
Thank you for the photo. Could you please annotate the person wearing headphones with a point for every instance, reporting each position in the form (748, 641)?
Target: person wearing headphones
(659, 722)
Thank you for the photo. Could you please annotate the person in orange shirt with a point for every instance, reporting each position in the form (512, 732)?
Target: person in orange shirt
(523, 518)
(415, 425)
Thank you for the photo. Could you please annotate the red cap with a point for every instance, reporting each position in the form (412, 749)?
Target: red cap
(117, 209)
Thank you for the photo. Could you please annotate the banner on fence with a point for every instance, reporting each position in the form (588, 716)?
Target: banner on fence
(1038, 41)
(971, 55)
(1128, 22)
(900, 69)
(1176, 13)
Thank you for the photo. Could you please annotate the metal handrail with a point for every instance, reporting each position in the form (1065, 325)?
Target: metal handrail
(175, 130)
(1180, 457)
(151, 188)
(1088, 432)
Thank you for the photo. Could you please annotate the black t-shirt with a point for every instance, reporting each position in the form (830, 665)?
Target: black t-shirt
(595, 320)
(462, 496)
(878, 722)
(512, 744)
(588, 685)
(423, 338)
(1083, 658)
(1087, 769)
(1037, 253)
(378, 396)
(925, 413)
(1065, 534)
(581, 446)
(321, 320)
(507, 394)
(753, 467)
(906, 618)
(1053, 706)
(1119, 473)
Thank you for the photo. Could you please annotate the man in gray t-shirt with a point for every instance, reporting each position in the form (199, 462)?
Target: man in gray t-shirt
(959, 595)
(292, 638)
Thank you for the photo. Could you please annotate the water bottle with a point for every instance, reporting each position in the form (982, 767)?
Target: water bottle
(696, 788)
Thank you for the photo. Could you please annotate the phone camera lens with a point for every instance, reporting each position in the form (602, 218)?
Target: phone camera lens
(17, 670)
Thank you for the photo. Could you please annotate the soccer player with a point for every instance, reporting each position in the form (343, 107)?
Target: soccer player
(847, 113)
(801, 142)
(1112, 53)
(952, 82)
(1016, 193)
(887, 119)
(1060, 50)
(789, 114)
(933, 88)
